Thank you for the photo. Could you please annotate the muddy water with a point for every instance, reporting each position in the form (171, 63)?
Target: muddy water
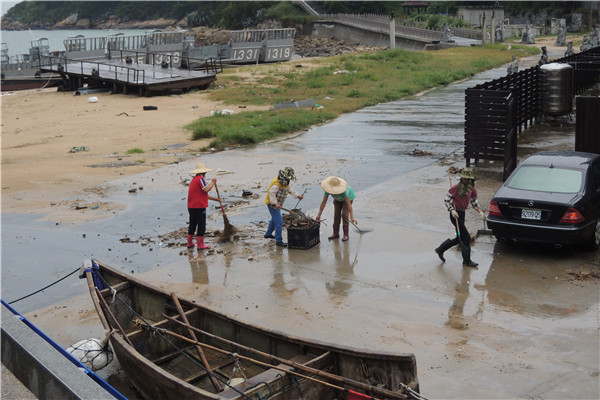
(519, 326)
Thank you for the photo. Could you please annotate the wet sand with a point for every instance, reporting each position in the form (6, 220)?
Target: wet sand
(520, 317)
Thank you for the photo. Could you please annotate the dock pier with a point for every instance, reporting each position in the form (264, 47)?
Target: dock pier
(125, 74)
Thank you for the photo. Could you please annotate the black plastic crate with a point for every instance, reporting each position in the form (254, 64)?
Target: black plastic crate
(303, 238)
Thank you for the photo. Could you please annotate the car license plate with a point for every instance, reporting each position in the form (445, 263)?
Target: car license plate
(531, 214)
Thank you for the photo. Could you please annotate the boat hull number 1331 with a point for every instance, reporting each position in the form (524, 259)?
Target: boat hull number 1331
(245, 54)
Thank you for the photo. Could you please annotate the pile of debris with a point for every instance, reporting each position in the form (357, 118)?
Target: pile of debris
(204, 36)
(308, 46)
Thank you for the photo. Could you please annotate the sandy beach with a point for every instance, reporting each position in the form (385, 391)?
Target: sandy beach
(56, 145)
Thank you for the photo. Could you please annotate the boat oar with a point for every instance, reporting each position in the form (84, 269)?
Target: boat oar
(252, 360)
(214, 380)
(295, 365)
(115, 321)
(228, 229)
(328, 375)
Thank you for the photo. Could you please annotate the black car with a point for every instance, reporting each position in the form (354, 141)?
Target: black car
(551, 197)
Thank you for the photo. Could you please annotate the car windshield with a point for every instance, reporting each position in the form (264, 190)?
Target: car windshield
(545, 179)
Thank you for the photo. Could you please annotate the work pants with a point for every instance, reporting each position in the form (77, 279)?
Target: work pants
(276, 223)
(197, 220)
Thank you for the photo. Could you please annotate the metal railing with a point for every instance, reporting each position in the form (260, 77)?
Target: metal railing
(120, 73)
(379, 23)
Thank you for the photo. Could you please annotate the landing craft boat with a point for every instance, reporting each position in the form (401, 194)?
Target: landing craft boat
(173, 348)
(23, 71)
(172, 49)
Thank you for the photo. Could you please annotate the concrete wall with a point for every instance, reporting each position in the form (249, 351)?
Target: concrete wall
(46, 372)
(353, 35)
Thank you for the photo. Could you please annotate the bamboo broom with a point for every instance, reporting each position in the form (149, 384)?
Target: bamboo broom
(228, 229)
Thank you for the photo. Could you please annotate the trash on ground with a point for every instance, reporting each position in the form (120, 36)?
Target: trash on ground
(296, 104)
(420, 153)
(222, 112)
(77, 149)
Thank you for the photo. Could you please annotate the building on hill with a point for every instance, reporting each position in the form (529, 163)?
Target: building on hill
(474, 14)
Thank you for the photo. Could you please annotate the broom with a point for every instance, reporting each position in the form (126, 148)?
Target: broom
(229, 229)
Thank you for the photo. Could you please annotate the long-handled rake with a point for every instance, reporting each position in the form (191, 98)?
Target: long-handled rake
(361, 231)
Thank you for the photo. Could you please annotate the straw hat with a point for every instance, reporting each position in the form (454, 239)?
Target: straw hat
(201, 168)
(334, 185)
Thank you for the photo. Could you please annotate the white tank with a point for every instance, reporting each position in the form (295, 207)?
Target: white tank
(556, 89)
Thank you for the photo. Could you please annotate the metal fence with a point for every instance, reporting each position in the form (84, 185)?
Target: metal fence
(587, 132)
(496, 111)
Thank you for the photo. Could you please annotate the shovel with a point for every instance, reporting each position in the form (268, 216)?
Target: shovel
(361, 230)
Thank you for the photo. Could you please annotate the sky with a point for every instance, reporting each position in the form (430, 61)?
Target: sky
(5, 5)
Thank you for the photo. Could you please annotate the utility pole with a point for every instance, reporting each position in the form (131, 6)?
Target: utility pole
(492, 28)
(483, 29)
(392, 32)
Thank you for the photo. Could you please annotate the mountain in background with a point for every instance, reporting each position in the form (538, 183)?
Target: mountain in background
(221, 14)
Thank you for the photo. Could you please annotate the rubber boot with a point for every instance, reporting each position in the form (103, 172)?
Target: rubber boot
(336, 233)
(442, 248)
(346, 230)
(201, 245)
(190, 242)
(466, 254)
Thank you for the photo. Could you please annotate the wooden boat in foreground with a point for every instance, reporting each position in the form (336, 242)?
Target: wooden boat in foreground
(173, 348)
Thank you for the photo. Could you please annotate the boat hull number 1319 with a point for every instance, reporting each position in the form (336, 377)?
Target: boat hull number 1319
(278, 53)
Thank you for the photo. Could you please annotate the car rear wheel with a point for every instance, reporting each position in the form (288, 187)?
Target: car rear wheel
(594, 241)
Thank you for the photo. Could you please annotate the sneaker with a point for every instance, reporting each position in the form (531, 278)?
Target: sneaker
(269, 237)
(281, 244)
(471, 264)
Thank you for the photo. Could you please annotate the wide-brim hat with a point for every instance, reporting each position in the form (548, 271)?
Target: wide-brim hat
(468, 173)
(334, 185)
(201, 168)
